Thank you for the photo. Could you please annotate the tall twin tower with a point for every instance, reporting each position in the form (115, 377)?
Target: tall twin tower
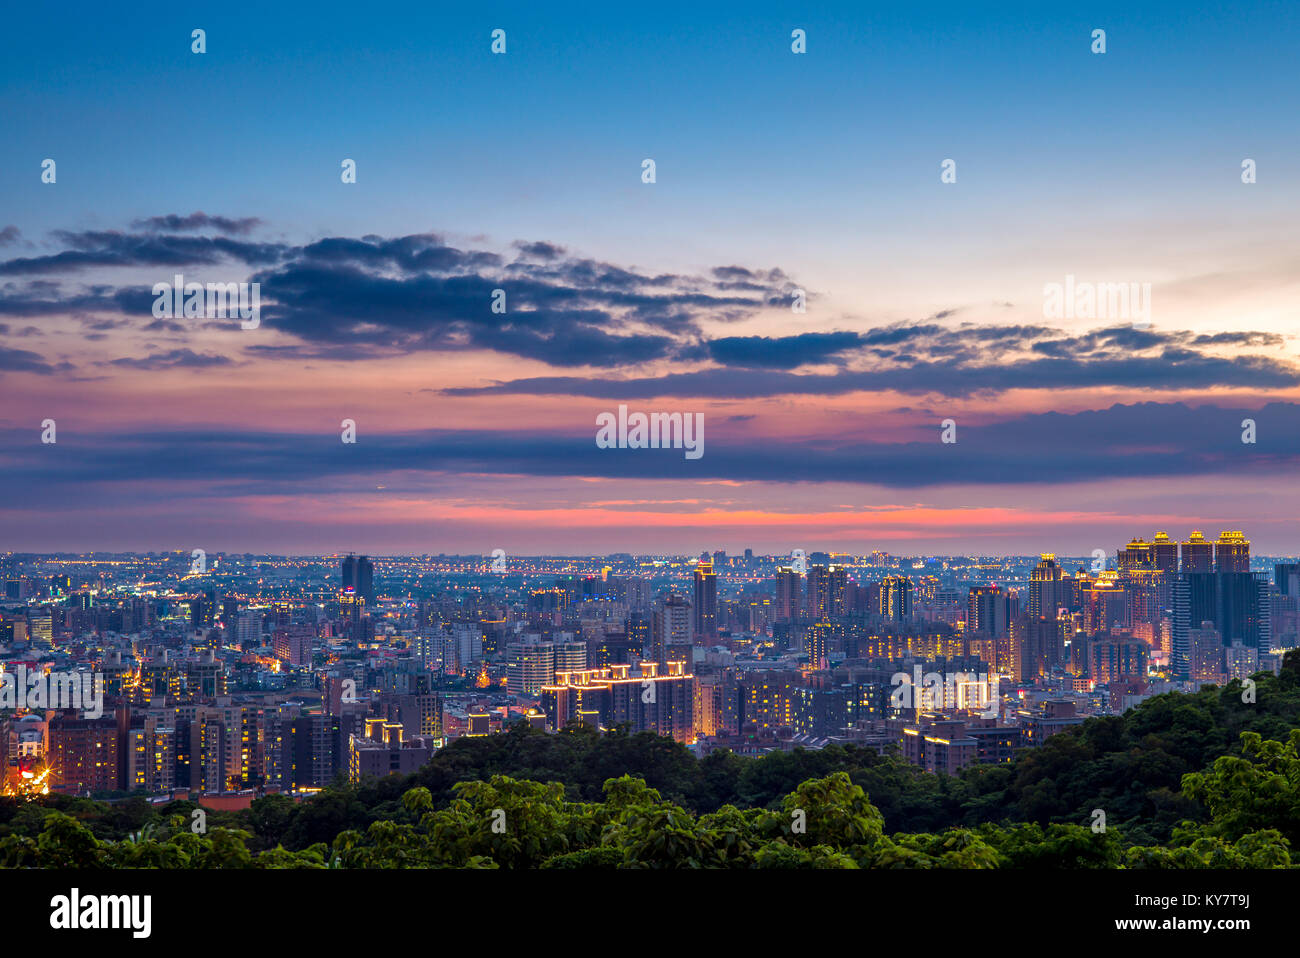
(358, 574)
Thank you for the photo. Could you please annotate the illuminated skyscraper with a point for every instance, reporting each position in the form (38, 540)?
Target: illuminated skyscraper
(1136, 555)
(1232, 553)
(896, 597)
(639, 634)
(706, 601)
(530, 666)
(1165, 551)
(826, 585)
(1046, 589)
(988, 610)
(1105, 604)
(672, 630)
(789, 595)
(814, 644)
(351, 607)
(1198, 553)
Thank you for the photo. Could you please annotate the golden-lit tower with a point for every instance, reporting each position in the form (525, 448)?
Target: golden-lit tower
(1198, 553)
(1165, 552)
(1232, 552)
(1136, 555)
(1046, 588)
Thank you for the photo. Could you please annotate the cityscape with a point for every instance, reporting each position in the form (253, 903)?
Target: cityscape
(225, 677)
(734, 440)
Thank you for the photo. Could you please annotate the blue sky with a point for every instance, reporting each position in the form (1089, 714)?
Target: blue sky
(549, 138)
(818, 170)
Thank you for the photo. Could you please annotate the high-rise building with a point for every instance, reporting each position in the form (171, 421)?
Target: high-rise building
(206, 678)
(318, 751)
(1198, 553)
(248, 629)
(570, 654)
(815, 644)
(352, 607)
(1237, 603)
(1036, 648)
(1286, 578)
(1240, 661)
(818, 600)
(789, 595)
(1114, 660)
(706, 601)
(1205, 645)
(988, 610)
(417, 712)
(639, 636)
(896, 597)
(1232, 553)
(359, 574)
(1165, 553)
(672, 629)
(529, 667)
(83, 753)
(1195, 601)
(1104, 604)
(1046, 588)
(151, 756)
(826, 591)
(1136, 555)
(292, 645)
(203, 610)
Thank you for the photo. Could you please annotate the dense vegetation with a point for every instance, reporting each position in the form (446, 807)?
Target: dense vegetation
(1204, 780)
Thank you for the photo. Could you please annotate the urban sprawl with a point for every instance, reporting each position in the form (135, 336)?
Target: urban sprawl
(229, 676)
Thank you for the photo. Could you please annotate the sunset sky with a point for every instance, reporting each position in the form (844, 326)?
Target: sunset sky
(775, 171)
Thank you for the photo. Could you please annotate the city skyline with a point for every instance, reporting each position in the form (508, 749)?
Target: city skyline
(1229, 537)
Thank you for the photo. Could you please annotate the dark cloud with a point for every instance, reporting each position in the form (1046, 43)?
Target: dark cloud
(109, 248)
(378, 296)
(372, 297)
(541, 250)
(1147, 440)
(23, 361)
(172, 223)
(781, 352)
(8, 235)
(947, 362)
(176, 358)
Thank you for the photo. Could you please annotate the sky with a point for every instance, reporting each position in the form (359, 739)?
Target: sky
(776, 174)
